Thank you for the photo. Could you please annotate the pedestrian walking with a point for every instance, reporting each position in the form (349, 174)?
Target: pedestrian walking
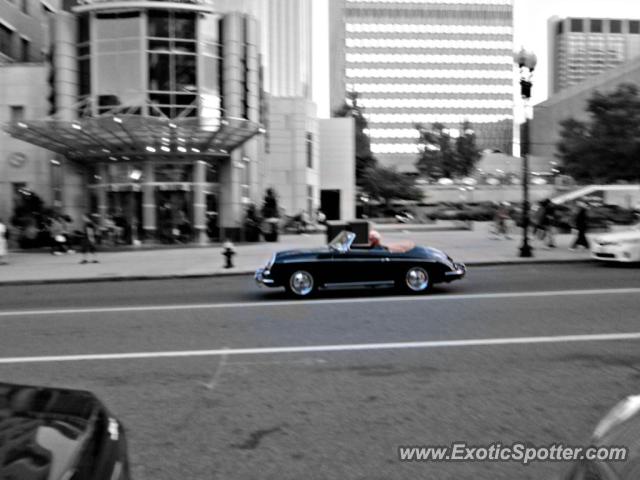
(546, 223)
(581, 222)
(89, 240)
(502, 219)
(4, 247)
(58, 238)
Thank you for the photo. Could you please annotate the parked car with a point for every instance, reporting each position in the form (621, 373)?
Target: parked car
(619, 428)
(413, 268)
(621, 246)
(56, 433)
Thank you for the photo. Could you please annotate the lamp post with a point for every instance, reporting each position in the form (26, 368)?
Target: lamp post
(526, 62)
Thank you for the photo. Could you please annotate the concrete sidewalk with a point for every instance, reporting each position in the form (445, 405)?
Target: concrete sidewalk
(473, 247)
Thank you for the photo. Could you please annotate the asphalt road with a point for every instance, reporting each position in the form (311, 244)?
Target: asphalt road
(217, 379)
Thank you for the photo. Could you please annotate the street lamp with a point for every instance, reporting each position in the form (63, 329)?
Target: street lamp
(526, 62)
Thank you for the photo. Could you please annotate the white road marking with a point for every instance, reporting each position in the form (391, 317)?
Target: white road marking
(329, 301)
(476, 342)
(215, 380)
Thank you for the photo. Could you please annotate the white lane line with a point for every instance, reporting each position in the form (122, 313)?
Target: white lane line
(603, 337)
(329, 301)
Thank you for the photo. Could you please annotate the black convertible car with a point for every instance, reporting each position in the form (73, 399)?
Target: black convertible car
(407, 266)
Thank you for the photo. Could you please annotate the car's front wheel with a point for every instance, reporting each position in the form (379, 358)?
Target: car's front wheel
(416, 280)
(301, 284)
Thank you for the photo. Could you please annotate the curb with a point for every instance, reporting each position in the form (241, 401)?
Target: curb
(248, 272)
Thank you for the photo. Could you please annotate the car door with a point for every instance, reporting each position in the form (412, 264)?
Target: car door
(359, 265)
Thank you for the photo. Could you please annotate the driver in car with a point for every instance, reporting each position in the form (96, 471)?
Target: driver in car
(374, 241)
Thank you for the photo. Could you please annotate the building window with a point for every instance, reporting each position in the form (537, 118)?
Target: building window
(245, 185)
(559, 28)
(615, 26)
(24, 6)
(634, 26)
(6, 40)
(24, 49)
(172, 62)
(576, 24)
(309, 141)
(596, 25)
(310, 200)
(17, 113)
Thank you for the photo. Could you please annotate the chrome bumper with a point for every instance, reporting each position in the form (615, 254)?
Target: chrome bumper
(262, 277)
(459, 272)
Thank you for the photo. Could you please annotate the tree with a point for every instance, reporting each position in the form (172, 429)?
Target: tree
(434, 147)
(387, 184)
(606, 147)
(467, 152)
(438, 158)
(364, 157)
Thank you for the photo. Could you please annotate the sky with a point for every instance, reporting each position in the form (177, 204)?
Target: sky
(530, 32)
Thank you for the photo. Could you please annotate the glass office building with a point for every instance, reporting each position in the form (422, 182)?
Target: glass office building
(156, 103)
(425, 61)
(581, 48)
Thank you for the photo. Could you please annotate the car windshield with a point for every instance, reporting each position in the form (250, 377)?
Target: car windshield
(342, 242)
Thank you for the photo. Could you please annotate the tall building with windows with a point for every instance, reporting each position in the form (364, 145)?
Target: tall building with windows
(25, 52)
(291, 165)
(24, 30)
(168, 115)
(152, 106)
(421, 62)
(580, 48)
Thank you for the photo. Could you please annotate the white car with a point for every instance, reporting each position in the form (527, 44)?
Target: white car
(617, 247)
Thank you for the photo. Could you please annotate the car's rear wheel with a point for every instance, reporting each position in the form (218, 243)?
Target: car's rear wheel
(301, 284)
(416, 280)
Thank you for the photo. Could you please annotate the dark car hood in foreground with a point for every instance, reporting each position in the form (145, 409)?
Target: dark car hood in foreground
(45, 433)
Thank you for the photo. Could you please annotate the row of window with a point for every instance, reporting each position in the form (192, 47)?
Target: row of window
(424, 58)
(434, 103)
(506, 87)
(440, 2)
(427, 28)
(394, 148)
(479, 15)
(402, 133)
(8, 47)
(436, 117)
(598, 25)
(427, 43)
(423, 73)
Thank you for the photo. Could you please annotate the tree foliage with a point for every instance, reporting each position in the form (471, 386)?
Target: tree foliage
(387, 184)
(441, 157)
(364, 157)
(606, 147)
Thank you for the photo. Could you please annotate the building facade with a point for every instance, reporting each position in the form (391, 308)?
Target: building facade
(154, 103)
(580, 48)
(24, 30)
(25, 39)
(572, 102)
(421, 62)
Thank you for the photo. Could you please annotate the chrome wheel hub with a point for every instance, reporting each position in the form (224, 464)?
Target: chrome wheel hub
(301, 283)
(417, 279)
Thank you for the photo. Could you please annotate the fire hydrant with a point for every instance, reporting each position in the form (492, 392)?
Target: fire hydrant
(228, 252)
